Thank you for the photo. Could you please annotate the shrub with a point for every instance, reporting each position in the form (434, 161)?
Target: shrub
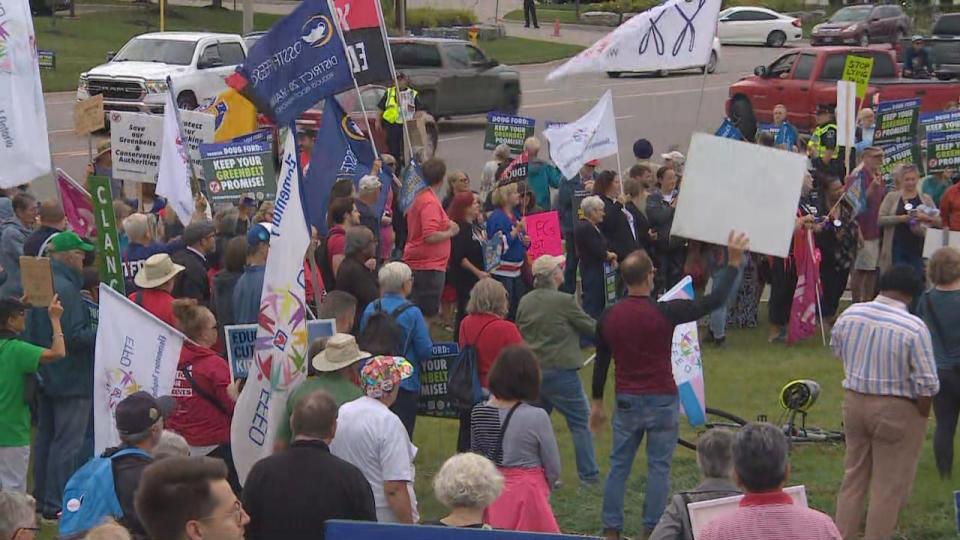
(432, 18)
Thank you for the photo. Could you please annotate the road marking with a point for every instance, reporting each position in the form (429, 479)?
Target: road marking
(644, 94)
(447, 139)
(59, 131)
(79, 153)
(623, 117)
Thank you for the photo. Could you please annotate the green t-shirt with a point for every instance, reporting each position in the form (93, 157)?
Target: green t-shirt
(17, 359)
(934, 187)
(340, 388)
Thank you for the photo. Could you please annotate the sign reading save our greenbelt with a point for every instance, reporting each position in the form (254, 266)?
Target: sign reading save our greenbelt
(897, 121)
(943, 151)
(509, 130)
(232, 170)
(108, 244)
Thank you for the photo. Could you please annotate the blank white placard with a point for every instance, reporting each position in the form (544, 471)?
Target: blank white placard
(733, 185)
(702, 513)
(938, 238)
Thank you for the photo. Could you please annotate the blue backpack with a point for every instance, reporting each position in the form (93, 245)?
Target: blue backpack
(90, 495)
(463, 377)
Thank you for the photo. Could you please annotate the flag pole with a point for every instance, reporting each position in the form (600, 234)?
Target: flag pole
(194, 182)
(396, 84)
(336, 24)
(816, 288)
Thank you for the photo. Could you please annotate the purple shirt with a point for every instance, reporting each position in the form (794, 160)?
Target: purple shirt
(868, 219)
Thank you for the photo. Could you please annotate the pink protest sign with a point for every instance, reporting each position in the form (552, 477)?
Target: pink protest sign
(543, 229)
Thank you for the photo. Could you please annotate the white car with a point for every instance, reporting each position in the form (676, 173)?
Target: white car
(709, 68)
(758, 26)
(135, 79)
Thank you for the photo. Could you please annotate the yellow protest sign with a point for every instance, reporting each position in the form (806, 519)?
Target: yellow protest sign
(857, 69)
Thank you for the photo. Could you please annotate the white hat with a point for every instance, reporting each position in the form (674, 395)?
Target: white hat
(341, 351)
(156, 271)
(546, 264)
(673, 156)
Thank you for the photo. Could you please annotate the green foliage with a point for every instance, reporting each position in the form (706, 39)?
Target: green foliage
(433, 18)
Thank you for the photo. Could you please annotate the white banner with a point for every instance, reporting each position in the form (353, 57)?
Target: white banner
(198, 128)
(135, 351)
(173, 172)
(280, 355)
(676, 34)
(24, 148)
(593, 136)
(135, 145)
(846, 113)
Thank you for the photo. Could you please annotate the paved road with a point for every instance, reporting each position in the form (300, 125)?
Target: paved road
(664, 110)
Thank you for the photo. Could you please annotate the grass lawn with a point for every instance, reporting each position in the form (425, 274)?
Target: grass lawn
(745, 379)
(545, 15)
(83, 42)
(514, 50)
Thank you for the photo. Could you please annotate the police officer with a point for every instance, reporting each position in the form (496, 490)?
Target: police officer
(825, 132)
(399, 104)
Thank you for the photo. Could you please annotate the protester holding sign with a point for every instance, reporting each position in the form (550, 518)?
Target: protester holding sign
(837, 241)
(866, 181)
(501, 157)
(594, 252)
(568, 210)
(466, 252)
(617, 225)
(904, 216)
(541, 175)
(507, 220)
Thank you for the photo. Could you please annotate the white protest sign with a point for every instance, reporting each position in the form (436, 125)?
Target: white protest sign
(938, 238)
(846, 113)
(733, 185)
(197, 128)
(703, 512)
(135, 145)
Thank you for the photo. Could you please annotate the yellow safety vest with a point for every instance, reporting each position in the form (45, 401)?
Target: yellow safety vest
(818, 133)
(391, 110)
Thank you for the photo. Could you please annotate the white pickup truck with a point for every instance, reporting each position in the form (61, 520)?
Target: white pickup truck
(135, 78)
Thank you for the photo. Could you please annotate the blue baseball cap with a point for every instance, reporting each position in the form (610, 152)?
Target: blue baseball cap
(259, 233)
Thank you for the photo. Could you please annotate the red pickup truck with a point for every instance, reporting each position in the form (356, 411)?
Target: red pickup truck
(804, 78)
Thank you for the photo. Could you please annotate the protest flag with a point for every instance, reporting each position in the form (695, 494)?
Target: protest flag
(298, 63)
(234, 115)
(685, 357)
(77, 205)
(803, 310)
(364, 40)
(786, 136)
(639, 45)
(728, 130)
(134, 351)
(280, 355)
(175, 172)
(855, 195)
(592, 136)
(411, 184)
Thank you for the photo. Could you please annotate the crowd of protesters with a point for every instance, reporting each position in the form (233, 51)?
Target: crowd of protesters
(347, 450)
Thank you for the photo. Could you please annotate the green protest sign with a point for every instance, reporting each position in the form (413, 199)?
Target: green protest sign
(857, 69)
(900, 154)
(509, 130)
(234, 169)
(434, 374)
(897, 122)
(108, 244)
(943, 151)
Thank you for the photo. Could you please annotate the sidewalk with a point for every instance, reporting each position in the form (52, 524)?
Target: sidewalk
(574, 34)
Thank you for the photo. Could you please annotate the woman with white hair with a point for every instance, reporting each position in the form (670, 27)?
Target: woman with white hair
(466, 484)
(594, 253)
(501, 158)
(18, 519)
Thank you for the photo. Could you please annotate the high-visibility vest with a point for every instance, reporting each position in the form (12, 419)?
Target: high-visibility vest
(817, 136)
(391, 110)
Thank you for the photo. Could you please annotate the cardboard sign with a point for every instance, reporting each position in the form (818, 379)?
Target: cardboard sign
(509, 130)
(88, 115)
(434, 374)
(36, 278)
(897, 121)
(938, 238)
(240, 341)
(108, 243)
(857, 69)
(135, 146)
(943, 151)
(232, 170)
(543, 230)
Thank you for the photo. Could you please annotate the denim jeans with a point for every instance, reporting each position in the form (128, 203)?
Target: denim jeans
(516, 288)
(657, 417)
(61, 447)
(570, 267)
(718, 317)
(562, 389)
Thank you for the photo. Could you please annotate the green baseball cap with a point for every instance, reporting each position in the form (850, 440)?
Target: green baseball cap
(68, 241)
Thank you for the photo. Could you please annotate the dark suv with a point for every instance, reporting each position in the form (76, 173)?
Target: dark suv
(861, 25)
(456, 78)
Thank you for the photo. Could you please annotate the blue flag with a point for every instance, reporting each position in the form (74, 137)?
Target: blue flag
(341, 151)
(786, 136)
(728, 130)
(412, 184)
(299, 62)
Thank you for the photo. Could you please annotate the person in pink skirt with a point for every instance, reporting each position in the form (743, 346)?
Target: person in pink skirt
(519, 439)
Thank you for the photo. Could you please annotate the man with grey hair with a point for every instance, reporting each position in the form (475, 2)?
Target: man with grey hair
(552, 324)
(17, 518)
(761, 461)
(715, 458)
(416, 345)
(366, 203)
(143, 244)
(292, 493)
(355, 274)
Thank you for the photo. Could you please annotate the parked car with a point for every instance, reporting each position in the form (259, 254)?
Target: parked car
(943, 45)
(757, 25)
(806, 78)
(709, 68)
(48, 7)
(863, 24)
(135, 79)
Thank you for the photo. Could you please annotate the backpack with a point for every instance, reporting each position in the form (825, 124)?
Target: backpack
(382, 335)
(323, 264)
(90, 495)
(463, 377)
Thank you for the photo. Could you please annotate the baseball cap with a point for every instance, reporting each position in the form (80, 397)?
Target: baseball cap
(197, 231)
(673, 156)
(642, 149)
(258, 234)
(382, 373)
(68, 241)
(546, 264)
(916, 38)
(139, 411)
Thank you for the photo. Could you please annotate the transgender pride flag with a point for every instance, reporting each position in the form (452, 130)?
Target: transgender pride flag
(687, 370)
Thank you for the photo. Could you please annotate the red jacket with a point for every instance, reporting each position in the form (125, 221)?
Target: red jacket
(201, 421)
(157, 302)
(489, 341)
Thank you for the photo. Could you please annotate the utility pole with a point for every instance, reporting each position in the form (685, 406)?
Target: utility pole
(247, 16)
(576, 9)
(400, 15)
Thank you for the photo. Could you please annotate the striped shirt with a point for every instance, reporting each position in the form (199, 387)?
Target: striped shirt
(885, 350)
(764, 516)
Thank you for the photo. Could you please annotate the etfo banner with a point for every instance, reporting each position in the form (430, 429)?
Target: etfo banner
(108, 244)
(687, 370)
(234, 169)
(509, 130)
(24, 148)
(135, 351)
(897, 121)
(943, 151)
(434, 375)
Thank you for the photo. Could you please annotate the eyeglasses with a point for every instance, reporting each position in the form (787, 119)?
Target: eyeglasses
(237, 514)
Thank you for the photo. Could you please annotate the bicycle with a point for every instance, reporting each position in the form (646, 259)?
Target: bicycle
(796, 398)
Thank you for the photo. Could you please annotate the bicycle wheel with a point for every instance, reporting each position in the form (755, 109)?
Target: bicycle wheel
(715, 419)
(815, 435)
